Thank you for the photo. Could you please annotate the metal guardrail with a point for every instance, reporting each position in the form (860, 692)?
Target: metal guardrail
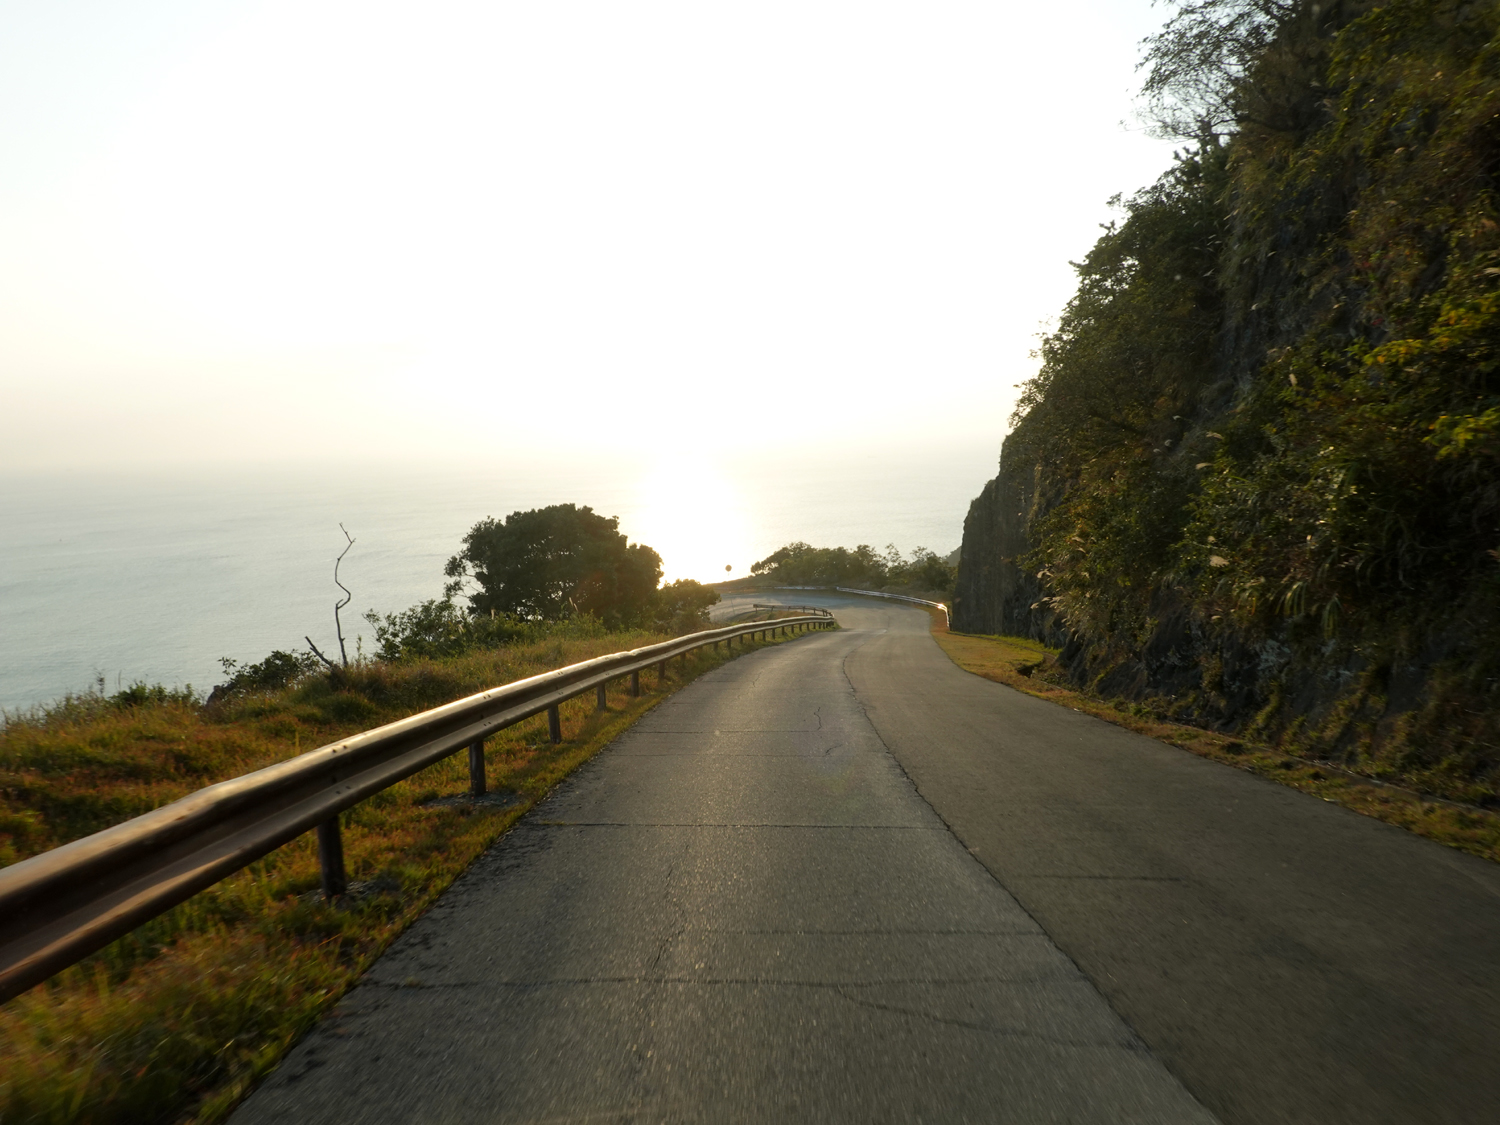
(871, 594)
(899, 598)
(58, 907)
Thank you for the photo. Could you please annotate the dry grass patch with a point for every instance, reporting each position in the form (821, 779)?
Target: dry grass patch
(177, 1021)
(1030, 667)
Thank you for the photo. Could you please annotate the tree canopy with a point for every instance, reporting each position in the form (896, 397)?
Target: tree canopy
(801, 564)
(555, 562)
(682, 606)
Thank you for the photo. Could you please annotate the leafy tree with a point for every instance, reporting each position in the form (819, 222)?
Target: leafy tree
(1196, 66)
(682, 606)
(555, 562)
(1221, 66)
(801, 564)
(929, 571)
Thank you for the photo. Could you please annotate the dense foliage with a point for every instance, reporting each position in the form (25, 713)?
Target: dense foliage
(278, 670)
(801, 564)
(1263, 450)
(682, 606)
(555, 562)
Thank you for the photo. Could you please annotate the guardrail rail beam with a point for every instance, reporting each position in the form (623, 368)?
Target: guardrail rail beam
(58, 907)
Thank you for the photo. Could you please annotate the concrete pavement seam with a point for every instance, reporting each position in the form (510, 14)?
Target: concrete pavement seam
(854, 692)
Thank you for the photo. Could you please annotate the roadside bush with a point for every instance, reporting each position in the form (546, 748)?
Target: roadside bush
(682, 606)
(142, 694)
(437, 628)
(275, 672)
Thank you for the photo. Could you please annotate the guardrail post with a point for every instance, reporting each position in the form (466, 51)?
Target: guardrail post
(661, 673)
(635, 682)
(331, 858)
(476, 767)
(554, 725)
(599, 699)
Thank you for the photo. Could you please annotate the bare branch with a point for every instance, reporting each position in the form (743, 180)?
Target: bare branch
(331, 665)
(348, 597)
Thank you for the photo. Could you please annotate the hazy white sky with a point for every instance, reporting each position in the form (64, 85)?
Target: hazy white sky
(236, 230)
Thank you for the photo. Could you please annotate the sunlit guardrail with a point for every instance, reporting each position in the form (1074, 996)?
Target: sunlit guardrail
(874, 594)
(898, 598)
(58, 907)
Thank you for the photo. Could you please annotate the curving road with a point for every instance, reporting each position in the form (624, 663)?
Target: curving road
(843, 880)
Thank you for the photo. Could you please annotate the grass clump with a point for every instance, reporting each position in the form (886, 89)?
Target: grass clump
(177, 1020)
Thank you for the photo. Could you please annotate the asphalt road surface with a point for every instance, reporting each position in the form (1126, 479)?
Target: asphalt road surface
(843, 880)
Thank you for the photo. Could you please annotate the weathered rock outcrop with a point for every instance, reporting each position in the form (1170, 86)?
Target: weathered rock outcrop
(993, 594)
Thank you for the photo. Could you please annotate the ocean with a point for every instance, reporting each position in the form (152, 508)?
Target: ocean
(138, 576)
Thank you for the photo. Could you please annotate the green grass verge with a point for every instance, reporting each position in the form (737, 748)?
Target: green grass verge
(178, 1020)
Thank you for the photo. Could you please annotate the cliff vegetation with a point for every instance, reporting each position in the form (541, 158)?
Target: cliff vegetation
(1256, 481)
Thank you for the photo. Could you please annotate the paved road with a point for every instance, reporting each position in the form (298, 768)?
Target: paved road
(1288, 960)
(845, 880)
(742, 911)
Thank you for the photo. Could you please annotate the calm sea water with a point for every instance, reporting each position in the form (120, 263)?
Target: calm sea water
(154, 577)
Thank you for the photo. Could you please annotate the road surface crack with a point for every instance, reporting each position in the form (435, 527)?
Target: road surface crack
(1131, 1043)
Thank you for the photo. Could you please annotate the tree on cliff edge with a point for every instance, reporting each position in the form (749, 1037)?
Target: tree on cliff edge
(555, 562)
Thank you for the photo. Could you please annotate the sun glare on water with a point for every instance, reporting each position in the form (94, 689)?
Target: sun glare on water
(695, 519)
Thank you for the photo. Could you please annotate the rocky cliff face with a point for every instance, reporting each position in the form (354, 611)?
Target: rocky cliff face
(1256, 483)
(994, 593)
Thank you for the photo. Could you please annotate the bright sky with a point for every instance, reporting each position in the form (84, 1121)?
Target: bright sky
(236, 230)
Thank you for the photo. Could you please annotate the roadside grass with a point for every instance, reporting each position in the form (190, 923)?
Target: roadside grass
(176, 1021)
(1030, 667)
